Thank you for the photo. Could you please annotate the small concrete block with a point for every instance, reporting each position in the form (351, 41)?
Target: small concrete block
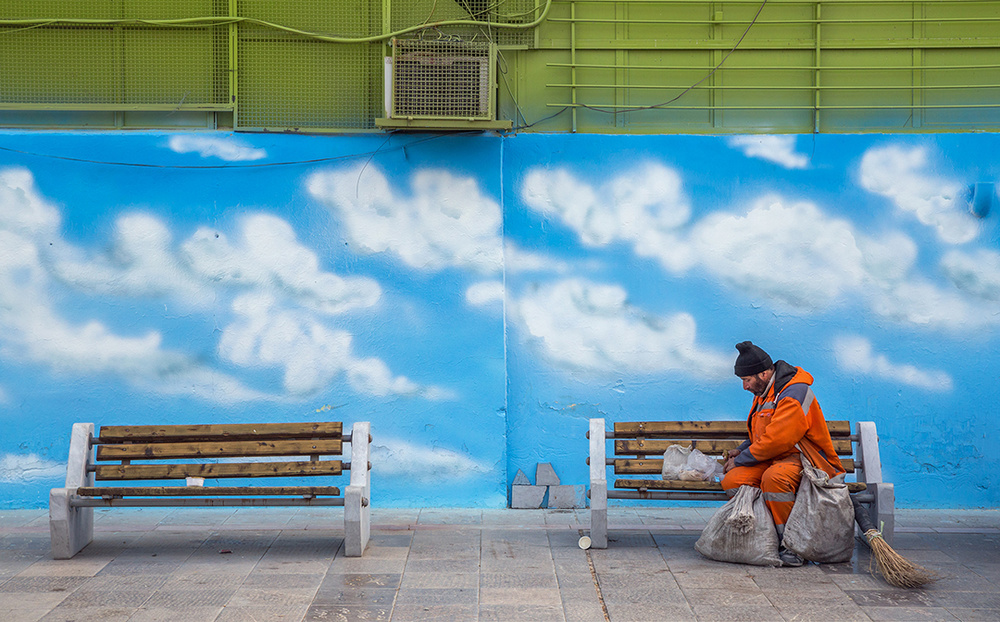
(545, 475)
(521, 479)
(567, 497)
(527, 497)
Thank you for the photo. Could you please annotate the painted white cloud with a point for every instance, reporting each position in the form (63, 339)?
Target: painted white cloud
(485, 293)
(976, 272)
(777, 149)
(591, 326)
(228, 149)
(264, 259)
(404, 460)
(444, 222)
(266, 255)
(855, 355)
(309, 353)
(26, 468)
(906, 178)
(642, 207)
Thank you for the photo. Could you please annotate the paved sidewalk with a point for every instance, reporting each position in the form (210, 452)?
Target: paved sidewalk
(445, 564)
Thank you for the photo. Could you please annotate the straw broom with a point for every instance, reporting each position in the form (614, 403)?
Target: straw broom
(895, 569)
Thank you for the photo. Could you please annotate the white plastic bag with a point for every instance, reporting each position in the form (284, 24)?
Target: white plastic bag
(674, 461)
(742, 531)
(700, 468)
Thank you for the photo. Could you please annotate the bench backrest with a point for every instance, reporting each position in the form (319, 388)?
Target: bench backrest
(639, 445)
(218, 451)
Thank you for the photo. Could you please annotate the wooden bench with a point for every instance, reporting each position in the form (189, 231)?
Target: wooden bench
(638, 460)
(151, 454)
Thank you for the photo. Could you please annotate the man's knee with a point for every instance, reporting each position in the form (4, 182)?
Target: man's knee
(780, 480)
(737, 477)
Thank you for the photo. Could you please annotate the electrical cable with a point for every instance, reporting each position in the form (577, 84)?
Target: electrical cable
(207, 22)
(350, 156)
(608, 110)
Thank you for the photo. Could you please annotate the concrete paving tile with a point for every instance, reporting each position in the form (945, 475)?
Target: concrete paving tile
(518, 580)
(188, 614)
(629, 539)
(463, 580)
(516, 565)
(892, 597)
(624, 611)
(741, 612)
(109, 583)
(703, 579)
(347, 613)
(370, 597)
(89, 614)
(444, 596)
(348, 565)
(282, 580)
(283, 613)
(84, 598)
(725, 597)
(519, 596)
(186, 579)
(40, 584)
(975, 615)
(573, 581)
(575, 612)
(119, 567)
(187, 598)
(440, 613)
(859, 582)
(972, 600)
(521, 613)
(456, 516)
(908, 614)
(445, 565)
(513, 517)
(357, 580)
(252, 596)
(38, 602)
(390, 539)
(75, 567)
(825, 613)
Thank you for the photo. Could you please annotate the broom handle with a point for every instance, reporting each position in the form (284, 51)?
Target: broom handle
(861, 515)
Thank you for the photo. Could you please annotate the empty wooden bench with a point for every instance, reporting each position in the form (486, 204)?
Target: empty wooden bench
(638, 459)
(152, 454)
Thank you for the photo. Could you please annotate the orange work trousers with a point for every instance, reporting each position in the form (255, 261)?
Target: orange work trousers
(777, 479)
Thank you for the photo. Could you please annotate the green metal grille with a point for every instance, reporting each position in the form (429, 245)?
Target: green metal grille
(442, 79)
(513, 12)
(121, 66)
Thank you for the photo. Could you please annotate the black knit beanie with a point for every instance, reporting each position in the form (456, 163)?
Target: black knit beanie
(752, 360)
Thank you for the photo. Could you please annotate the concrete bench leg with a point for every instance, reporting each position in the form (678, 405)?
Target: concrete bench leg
(70, 529)
(599, 514)
(357, 496)
(883, 509)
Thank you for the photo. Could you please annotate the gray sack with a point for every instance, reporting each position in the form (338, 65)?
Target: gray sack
(741, 531)
(821, 525)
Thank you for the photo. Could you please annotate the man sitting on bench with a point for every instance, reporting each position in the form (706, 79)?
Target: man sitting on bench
(785, 416)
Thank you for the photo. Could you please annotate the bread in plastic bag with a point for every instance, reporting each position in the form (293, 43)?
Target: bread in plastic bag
(741, 531)
(674, 461)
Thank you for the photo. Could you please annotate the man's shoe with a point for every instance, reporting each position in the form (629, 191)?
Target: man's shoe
(789, 559)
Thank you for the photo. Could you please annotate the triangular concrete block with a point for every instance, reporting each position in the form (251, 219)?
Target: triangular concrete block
(545, 475)
(521, 479)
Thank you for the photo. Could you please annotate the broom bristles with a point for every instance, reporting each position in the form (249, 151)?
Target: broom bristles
(896, 569)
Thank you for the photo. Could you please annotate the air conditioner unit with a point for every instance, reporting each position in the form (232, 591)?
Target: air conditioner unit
(441, 84)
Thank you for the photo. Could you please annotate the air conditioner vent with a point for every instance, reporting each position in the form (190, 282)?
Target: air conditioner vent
(442, 79)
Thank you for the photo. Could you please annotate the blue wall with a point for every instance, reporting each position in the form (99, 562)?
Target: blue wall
(479, 298)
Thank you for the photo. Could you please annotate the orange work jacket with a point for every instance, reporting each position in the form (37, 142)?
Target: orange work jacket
(786, 415)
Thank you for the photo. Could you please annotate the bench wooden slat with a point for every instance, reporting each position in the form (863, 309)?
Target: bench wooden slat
(121, 472)
(206, 491)
(646, 447)
(633, 466)
(704, 429)
(219, 449)
(234, 431)
(668, 484)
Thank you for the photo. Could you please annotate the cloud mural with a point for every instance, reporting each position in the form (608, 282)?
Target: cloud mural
(29, 468)
(229, 149)
(905, 177)
(777, 149)
(592, 326)
(393, 457)
(282, 303)
(445, 220)
(855, 355)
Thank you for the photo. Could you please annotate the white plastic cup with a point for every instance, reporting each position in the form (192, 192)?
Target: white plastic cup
(584, 542)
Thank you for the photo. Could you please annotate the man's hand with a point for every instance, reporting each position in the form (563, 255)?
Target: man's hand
(730, 460)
